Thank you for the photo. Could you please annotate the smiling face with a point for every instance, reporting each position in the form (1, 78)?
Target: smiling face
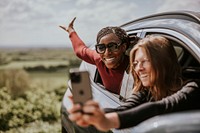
(143, 67)
(112, 59)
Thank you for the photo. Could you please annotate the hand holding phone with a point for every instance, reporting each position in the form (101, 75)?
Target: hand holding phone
(81, 88)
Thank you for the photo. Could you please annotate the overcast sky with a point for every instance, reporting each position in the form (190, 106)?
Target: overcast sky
(32, 23)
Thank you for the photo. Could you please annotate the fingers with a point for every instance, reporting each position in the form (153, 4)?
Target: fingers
(72, 22)
(76, 115)
(96, 117)
(91, 107)
(91, 114)
(63, 27)
(75, 108)
(92, 103)
(70, 27)
(82, 123)
(70, 97)
(75, 112)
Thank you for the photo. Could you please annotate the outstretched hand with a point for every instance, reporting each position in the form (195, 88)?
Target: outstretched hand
(70, 27)
(93, 115)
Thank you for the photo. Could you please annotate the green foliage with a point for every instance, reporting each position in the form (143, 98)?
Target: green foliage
(34, 105)
(4, 59)
(26, 105)
(74, 62)
(43, 68)
(38, 127)
(15, 80)
(60, 92)
(37, 54)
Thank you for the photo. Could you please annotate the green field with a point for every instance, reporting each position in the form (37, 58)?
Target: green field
(32, 84)
(45, 63)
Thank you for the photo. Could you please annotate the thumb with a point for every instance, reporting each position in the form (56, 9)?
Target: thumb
(63, 27)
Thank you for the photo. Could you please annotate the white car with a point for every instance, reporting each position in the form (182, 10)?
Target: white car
(183, 30)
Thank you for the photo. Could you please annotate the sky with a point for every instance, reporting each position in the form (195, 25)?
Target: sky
(35, 23)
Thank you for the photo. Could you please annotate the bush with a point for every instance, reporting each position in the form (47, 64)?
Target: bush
(26, 109)
(4, 59)
(74, 62)
(38, 127)
(15, 80)
(35, 105)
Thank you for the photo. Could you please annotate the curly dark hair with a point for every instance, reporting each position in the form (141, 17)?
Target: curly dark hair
(119, 32)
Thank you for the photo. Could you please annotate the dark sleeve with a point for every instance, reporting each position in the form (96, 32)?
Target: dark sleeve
(133, 101)
(185, 99)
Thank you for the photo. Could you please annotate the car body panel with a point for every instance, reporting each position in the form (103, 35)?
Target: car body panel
(181, 122)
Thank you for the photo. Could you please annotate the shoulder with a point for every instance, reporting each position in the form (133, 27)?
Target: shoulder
(191, 87)
(192, 83)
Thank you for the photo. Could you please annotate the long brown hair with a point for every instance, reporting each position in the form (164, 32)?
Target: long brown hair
(166, 73)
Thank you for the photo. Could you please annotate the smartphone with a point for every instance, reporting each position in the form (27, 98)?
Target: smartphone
(81, 87)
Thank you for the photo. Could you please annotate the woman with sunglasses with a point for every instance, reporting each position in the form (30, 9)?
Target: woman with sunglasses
(158, 89)
(109, 56)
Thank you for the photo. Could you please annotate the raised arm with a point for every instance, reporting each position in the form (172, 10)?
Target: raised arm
(70, 27)
(80, 49)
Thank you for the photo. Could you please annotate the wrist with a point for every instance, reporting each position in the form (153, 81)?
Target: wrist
(71, 30)
(113, 120)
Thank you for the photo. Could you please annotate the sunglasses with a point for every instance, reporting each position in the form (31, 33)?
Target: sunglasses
(112, 47)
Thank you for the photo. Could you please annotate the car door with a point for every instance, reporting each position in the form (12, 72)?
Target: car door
(188, 53)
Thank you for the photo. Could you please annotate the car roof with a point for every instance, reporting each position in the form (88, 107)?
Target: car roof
(185, 15)
(185, 23)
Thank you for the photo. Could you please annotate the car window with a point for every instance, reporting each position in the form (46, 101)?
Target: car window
(97, 78)
(179, 52)
(190, 66)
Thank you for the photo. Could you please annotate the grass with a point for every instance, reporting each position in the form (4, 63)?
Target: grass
(52, 79)
(24, 64)
(48, 80)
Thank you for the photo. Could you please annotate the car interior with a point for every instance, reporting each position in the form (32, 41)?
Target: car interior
(190, 66)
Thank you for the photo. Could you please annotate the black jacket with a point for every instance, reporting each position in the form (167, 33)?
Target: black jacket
(140, 107)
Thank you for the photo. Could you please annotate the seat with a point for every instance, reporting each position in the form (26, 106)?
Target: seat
(191, 73)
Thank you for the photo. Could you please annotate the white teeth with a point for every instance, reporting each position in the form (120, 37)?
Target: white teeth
(109, 59)
(143, 76)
